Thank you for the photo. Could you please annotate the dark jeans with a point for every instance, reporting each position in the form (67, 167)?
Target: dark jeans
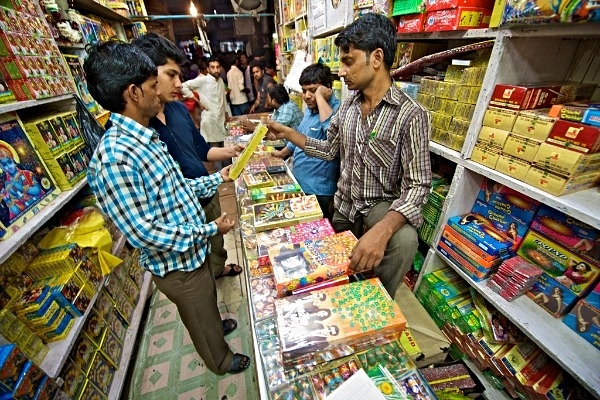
(240, 109)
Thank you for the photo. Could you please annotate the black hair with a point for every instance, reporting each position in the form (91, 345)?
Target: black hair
(159, 49)
(257, 63)
(111, 67)
(370, 32)
(316, 73)
(278, 93)
(214, 59)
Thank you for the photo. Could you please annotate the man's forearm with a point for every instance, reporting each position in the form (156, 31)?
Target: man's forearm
(295, 137)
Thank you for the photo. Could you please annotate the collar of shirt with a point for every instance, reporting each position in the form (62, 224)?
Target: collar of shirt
(392, 96)
(145, 134)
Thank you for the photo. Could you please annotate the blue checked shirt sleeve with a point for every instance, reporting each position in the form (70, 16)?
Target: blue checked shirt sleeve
(122, 195)
(206, 186)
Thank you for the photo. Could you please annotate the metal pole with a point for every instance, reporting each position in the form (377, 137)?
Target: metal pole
(209, 16)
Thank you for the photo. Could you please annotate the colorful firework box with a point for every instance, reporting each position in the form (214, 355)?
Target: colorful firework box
(551, 296)
(583, 319)
(514, 277)
(26, 186)
(567, 268)
(274, 193)
(512, 228)
(329, 319)
(286, 212)
(569, 232)
(268, 239)
(311, 230)
(477, 229)
(509, 201)
(263, 294)
(255, 180)
(310, 262)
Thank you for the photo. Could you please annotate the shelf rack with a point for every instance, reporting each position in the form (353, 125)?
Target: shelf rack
(576, 356)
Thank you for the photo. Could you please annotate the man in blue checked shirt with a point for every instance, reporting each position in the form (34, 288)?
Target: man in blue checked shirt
(138, 185)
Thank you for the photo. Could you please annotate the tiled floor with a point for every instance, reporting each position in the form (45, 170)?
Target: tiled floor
(167, 366)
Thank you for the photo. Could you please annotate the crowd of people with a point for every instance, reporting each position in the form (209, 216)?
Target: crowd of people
(366, 158)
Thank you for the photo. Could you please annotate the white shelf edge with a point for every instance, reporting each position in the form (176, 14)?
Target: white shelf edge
(8, 246)
(552, 30)
(445, 152)
(583, 205)
(490, 393)
(485, 33)
(579, 358)
(19, 105)
(118, 245)
(130, 339)
(59, 350)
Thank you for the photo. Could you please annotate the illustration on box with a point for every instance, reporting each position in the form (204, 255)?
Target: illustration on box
(25, 185)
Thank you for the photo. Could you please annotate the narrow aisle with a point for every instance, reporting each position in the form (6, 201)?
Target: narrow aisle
(167, 366)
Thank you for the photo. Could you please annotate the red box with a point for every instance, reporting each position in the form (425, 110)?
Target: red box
(575, 136)
(434, 5)
(524, 97)
(411, 23)
(457, 19)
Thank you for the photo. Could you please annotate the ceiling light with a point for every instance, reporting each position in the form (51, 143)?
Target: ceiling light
(193, 10)
(249, 4)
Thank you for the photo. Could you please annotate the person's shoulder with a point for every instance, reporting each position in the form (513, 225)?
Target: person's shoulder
(175, 106)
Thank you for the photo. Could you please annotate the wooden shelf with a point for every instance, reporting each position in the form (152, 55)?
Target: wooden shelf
(130, 339)
(19, 105)
(98, 9)
(8, 246)
(445, 152)
(59, 351)
(565, 346)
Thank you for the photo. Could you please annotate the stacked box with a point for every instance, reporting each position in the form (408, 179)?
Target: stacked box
(286, 212)
(585, 317)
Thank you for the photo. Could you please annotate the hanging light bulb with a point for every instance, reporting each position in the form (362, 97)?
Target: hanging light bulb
(193, 10)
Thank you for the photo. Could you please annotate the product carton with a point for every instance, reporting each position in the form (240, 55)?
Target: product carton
(411, 23)
(512, 166)
(521, 147)
(492, 137)
(524, 97)
(534, 124)
(573, 135)
(500, 118)
(459, 18)
(485, 155)
(558, 185)
(565, 162)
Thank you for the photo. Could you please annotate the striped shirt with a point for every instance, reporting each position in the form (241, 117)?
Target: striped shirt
(138, 185)
(384, 157)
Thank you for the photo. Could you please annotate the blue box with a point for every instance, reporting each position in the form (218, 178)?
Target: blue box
(553, 297)
(511, 227)
(12, 360)
(481, 232)
(583, 319)
(511, 202)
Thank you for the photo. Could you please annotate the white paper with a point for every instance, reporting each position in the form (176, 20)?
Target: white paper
(357, 387)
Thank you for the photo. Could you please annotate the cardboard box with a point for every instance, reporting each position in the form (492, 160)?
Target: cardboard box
(500, 118)
(407, 52)
(565, 162)
(477, 230)
(468, 246)
(567, 268)
(513, 166)
(485, 155)
(551, 296)
(583, 319)
(287, 212)
(511, 227)
(460, 18)
(558, 185)
(433, 5)
(573, 135)
(492, 137)
(403, 7)
(534, 124)
(411, 23)
(521, 147)
(524, 97)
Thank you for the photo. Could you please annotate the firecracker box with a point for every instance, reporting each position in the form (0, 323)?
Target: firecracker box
(28, 186)
(130, 290)
(558, 185)
(44, 137)
(94, 328)
(576, 136)
(369, 313)
(512, 166)
(125, 308)
(286, 212)
(74, 380)
(576, 274)
(112, 348)
(565, 162)
(310, 262)
(459, 18)
(82, 353)
(524, 97)
(433, 5)
(407, 52)
(481, 232)
(434, 278)
(29, 379)
(492, 137)
(567, 231)
(411, 23)
(102, 373)
(257, 180)
(463, 262)
(310, 230)
(65, 170)
(61, 331)
(274, 193)
(500, 118)
(521, 147)
(553, 297)
(104, 304)
(403, 7)
(583, 319)
(90, 391)
(467, 246)
(534, 124)
(485, 155)
(12, 361)
(46, 390)
(457, 246)
(55, 261)
(268, 239)
(509, 201)
(117, 326)
(519, 355)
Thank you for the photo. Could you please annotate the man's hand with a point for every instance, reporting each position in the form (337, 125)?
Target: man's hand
(248, 125)
(278, 154)
(324, 92)
(368, 252)
(224, 224)
(225, 174)
(276, 130)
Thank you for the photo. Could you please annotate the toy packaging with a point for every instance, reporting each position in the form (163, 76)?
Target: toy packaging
(307, 323)
(26, 184)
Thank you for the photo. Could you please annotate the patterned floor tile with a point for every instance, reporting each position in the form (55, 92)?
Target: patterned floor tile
(161, 342)
(155, 378)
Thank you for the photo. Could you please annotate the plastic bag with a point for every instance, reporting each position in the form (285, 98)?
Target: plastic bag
(90, 129)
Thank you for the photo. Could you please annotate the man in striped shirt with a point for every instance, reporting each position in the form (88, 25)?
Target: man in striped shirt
(382, 138)
(138, 185)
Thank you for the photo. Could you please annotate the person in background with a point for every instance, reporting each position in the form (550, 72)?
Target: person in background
(249, 85)
(261, 82)
(315, 176)
(237, 96)
(185, 144)
(139, 186)
(286, 111)
(271, 71)
(211, 89)
(382, 138)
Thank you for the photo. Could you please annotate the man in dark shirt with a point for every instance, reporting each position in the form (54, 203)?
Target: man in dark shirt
(184, 142)
(262, 82)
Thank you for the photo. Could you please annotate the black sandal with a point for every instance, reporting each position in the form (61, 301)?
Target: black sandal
(239, 363)
(229, 326)
(234, 270)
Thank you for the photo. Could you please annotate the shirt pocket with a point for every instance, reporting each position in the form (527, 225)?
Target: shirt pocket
(381, 152)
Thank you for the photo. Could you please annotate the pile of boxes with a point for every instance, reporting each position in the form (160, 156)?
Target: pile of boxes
(442, 15)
